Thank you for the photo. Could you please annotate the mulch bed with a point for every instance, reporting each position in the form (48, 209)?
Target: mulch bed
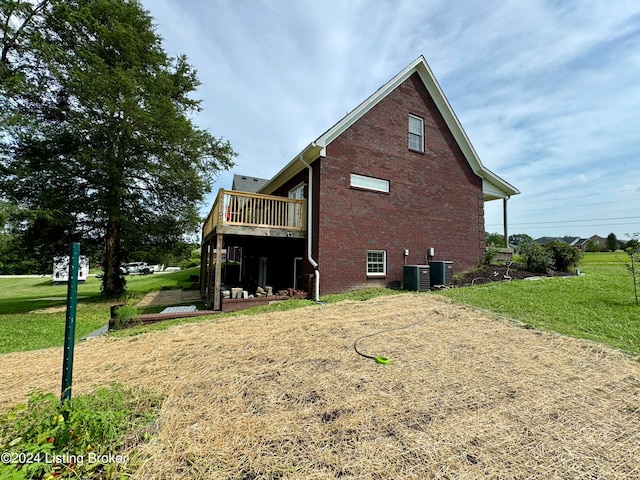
(500, 273)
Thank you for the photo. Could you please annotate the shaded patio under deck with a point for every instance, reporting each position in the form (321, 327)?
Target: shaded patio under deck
(264, 226)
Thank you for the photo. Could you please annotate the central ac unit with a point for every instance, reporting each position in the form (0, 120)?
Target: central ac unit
(417, 278)
(441, 272)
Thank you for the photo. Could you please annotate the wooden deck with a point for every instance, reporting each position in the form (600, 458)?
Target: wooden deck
(243, 213)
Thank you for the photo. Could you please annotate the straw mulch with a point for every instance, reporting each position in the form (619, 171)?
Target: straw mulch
(284, 395)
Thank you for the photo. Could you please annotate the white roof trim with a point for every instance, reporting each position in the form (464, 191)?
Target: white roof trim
(493, 186)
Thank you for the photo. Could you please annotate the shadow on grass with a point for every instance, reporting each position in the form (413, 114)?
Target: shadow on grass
(29, 304)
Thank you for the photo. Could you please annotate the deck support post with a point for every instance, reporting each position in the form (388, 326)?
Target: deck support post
(212, 276)
(204, 269)
(218, 274)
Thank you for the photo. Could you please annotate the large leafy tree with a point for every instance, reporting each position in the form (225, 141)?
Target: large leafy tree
(494, 240)
(519, 239)
(612, 242)
(100, 145)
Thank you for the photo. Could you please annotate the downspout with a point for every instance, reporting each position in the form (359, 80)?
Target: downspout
(316, 295)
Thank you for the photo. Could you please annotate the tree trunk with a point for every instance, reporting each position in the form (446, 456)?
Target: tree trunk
(112, 283)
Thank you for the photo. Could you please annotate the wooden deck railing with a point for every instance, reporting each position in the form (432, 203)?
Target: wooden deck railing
(255, 210)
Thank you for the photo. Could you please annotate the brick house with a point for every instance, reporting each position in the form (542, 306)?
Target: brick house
(393, 178)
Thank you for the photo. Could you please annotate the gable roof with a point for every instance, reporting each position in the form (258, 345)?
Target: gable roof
(244, 183)
(493, 186)
(574, 241)
(545, 240)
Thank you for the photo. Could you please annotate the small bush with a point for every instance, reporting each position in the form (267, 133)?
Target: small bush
(536, 258)
(592, 246)
(565, 256)
(189, 263)
(555, 255)
(125, 315)
(490, 255)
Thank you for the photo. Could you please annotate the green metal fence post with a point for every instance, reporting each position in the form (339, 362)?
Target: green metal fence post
(70, 326)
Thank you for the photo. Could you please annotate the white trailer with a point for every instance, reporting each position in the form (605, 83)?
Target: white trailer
(61, 269)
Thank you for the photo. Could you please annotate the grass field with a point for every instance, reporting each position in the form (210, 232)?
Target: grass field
(599, 306)
(32, 314)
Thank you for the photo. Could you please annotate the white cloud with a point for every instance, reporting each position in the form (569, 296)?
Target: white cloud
(547, 91)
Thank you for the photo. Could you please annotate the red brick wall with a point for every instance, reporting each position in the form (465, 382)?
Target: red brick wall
(435, 199)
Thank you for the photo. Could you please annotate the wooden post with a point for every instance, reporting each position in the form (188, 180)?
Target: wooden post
(221, 209)
(218, 278)
(203, 268)
(210, 276)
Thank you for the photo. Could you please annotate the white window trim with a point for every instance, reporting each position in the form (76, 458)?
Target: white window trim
(294, 210)
(384, 264)
(297, 192)
(421, 134)
(370, 183)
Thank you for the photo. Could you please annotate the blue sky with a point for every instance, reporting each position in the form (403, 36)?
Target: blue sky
(547, 91)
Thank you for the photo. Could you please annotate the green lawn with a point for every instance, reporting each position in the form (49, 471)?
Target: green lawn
(23, 325)
(605, 258)
(600, 305)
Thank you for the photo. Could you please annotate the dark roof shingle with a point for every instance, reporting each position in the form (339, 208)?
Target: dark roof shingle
(245, 183)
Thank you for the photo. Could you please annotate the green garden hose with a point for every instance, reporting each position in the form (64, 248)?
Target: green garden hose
(379, 359)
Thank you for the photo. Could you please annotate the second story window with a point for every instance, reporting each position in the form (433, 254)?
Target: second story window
(416, 133)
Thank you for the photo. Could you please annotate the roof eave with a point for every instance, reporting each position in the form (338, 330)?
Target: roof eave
(309, 154)
(494, 188)
(499, 187)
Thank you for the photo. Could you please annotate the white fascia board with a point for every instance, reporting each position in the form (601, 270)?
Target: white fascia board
(494, 191)
(491, 192)
(368, 104)
(496, 187)
(506, 188)
(294, 166)
(499, 186)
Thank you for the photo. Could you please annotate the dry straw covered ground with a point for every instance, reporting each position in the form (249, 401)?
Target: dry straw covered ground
(284, 395)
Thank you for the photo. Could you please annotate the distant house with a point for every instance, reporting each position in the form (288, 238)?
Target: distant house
(602, 242)
(394, 179)
(573, 241)
(580, 243)
(545, 240)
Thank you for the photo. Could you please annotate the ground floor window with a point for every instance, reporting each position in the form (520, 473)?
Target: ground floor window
(376, 262)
